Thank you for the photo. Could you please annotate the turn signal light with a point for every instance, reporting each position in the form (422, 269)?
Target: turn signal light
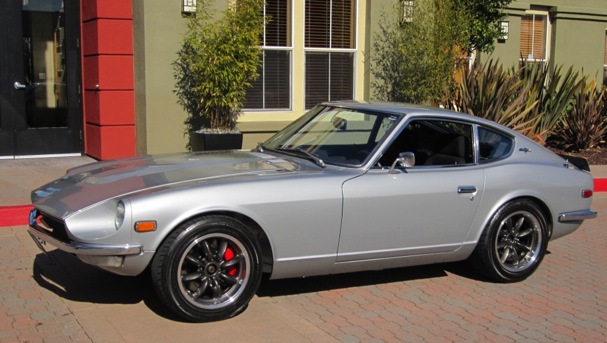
(145, 226)
(587, 193)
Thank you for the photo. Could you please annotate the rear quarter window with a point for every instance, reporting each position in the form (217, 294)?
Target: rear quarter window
(493, 146)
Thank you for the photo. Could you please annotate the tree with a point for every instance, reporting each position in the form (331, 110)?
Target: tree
(217, 61)
(414, 60)
(483, 22)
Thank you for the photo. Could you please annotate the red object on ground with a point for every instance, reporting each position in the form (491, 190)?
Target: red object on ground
(600, 185)
(14, 215)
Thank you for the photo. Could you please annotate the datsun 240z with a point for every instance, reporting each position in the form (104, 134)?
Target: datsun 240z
(347, 187)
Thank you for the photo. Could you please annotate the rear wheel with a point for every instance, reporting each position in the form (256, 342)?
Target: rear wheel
(514, 243)
(208, 269)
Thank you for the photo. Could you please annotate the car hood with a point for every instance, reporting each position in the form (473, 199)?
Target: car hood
(87, 185)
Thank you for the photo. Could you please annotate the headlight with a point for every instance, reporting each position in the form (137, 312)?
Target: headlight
(120, 212)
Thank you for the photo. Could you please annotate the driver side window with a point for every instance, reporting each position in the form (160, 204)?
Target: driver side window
(434, 143)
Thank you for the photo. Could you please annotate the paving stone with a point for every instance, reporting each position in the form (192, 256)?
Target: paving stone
(63, 300)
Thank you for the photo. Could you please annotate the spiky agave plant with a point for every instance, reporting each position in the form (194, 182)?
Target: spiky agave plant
(584, 126)
(489, 91)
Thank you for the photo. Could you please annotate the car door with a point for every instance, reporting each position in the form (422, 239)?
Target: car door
(425, 209)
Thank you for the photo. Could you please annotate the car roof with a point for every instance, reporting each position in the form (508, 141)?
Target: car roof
(404, 109)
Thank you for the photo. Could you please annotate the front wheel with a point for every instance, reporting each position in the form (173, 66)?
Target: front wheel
(208, 269)
(514, 242)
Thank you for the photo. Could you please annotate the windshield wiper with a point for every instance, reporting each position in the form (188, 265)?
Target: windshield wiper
(308, 154)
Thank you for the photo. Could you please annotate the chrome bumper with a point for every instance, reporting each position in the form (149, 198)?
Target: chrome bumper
(576, 216)
(41, 237)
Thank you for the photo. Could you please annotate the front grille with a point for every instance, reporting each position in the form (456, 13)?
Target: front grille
(53, 226)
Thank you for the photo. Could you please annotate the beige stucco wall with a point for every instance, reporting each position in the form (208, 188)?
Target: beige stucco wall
(159, 26)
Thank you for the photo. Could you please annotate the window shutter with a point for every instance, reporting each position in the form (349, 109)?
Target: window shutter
(342, 25)
(276, 28)
(329, 24)
(277, 79)
(272, 87)
(533, 37)
(317, 78)
(342, 71)
(329, 77)
(317, 28)
(605, 63)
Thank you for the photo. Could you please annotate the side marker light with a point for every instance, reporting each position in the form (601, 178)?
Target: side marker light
(145, 226)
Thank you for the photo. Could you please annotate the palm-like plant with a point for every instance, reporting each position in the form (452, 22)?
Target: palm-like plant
(493, 93)
(585, 125)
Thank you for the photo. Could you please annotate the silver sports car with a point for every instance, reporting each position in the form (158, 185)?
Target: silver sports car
(347, 187)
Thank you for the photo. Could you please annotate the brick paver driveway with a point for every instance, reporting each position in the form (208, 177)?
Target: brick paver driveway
(60, 299)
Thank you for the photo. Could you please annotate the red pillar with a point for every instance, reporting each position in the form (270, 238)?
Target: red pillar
(108, 78)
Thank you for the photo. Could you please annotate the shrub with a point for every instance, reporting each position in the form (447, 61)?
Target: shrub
(217, 61)
(531, 99)
(584, 126)
(553, 93)
(490, 92)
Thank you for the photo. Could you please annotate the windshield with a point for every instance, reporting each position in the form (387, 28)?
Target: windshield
(334, 135)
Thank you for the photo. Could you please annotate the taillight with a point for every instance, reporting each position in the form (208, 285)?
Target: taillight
(587, 193)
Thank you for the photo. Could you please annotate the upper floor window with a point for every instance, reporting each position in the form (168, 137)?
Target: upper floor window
(329, 44)
(272, 90)
(535, 31)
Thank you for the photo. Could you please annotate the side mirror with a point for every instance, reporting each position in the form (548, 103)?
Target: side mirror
(405, 160)
(340, 124)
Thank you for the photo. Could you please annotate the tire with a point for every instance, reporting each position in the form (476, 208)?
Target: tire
(208, 269)
(514, 242)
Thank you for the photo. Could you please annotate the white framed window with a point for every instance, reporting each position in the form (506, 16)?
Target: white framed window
(272, 90)
(330, 46)
(535, 37)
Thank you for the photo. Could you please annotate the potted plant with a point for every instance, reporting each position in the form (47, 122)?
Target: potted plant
(215, 65)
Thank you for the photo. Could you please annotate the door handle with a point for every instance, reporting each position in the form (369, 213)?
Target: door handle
(466, 189)
(19, 85)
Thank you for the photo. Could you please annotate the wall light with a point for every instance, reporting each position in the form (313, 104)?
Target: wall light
(505, 29)
(188, 6)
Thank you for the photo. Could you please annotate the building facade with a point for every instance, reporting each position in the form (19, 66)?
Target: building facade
(96, 77)
(561, 32)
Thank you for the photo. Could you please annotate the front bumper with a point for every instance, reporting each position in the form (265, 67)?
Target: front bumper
(577, 216)
(42, 235)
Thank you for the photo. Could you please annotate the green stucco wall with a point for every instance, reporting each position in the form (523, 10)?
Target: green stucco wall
(578, 34)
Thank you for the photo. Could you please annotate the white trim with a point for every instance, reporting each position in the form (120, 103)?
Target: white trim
(288, 47)
(353, 51)
(548, 36)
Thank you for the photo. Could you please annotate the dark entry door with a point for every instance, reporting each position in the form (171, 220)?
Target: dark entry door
(40, 101)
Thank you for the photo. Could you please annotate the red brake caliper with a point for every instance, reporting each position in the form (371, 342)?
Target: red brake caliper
(229, 254)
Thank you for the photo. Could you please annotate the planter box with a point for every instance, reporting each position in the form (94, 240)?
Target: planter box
(202, 141)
